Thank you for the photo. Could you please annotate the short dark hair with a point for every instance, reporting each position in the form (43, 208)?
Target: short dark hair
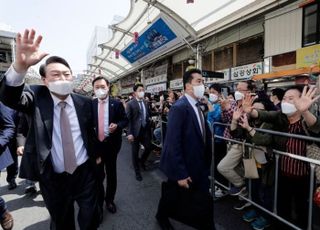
(50, 60)
(278, 92)
(42, 70)
(100, 78)
(295, 87)
(216, 87)
(187, 77)
(136, 86)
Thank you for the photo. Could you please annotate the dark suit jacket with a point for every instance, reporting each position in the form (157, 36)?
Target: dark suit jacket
(134, 116)
(118, 116)
(22, 130)
(37, 103)
(7, 127)
(184, 153)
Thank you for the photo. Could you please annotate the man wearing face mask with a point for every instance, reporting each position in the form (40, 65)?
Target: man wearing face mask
(139, 129)
(110, 120)
(186, 154)
(294, 118)
(59, 147)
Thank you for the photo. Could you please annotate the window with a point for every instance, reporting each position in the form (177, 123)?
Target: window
(3, 56)
(311, 24)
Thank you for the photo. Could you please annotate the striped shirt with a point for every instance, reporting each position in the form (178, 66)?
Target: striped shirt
(293, 167)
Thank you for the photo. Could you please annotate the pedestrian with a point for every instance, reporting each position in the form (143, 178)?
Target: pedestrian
(22, 132)
(110, 120)
(186, 155)
(59, 148)
(7, 127)
(139, 130)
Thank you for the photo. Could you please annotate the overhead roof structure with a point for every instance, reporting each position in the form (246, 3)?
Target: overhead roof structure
(191, 22)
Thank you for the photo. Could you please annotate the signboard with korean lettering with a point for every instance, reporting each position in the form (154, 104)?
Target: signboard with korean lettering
(246, 71)
(226, 77)
(159, 75)
(126, 90)
(308, 56)
(156, 39)
(156, 88)
(176, 84)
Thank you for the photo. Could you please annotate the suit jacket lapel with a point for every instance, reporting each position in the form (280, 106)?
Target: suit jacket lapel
(193, 117)
(111, 110)
(95, 114)
(46, 110)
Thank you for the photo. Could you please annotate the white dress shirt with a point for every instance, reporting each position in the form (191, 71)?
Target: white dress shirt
(15, 79)
(106, 116)
(193, 103)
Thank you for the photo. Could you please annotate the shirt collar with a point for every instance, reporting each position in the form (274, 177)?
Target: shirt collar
(56, 100)
(191, 100)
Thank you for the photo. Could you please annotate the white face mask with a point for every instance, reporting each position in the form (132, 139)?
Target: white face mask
(238, 96)
(61, 87)
(213, 98)
(141, 94)
(101, 93)
(198, 91)
(288, 108)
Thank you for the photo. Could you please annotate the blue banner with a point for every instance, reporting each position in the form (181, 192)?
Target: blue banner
(153, 38)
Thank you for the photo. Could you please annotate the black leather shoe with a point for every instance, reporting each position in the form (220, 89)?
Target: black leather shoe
(138, 177)
(164, 223)
(143, 167)
(112, 208)
(12, 185)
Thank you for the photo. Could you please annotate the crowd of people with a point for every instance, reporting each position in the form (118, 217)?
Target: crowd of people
(69, 143)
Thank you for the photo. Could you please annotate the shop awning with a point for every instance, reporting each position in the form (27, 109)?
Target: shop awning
(287, 73)
(190, 23)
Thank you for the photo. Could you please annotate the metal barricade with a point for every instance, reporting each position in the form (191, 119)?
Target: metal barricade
(312, 163)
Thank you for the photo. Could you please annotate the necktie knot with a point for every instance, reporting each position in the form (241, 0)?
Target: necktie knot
(102, 101)
(62, 104)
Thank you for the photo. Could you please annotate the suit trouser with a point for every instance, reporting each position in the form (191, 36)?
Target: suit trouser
(12, 170)
(108, 167)
(61, 190)
(228, 164)
(144, 139)
(3, 207)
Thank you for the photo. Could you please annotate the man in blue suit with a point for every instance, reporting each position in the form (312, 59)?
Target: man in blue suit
(186, 154)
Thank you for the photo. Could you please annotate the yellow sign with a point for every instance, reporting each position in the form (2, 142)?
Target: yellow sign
(308, 56)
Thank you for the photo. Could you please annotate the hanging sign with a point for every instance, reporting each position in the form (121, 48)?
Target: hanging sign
(246, 71)
(156, 39)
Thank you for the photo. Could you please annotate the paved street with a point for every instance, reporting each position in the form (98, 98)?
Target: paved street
(136, 202)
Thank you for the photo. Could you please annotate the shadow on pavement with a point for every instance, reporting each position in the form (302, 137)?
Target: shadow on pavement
(39, 226)
(27, 201)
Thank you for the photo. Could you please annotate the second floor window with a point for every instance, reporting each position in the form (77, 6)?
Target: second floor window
(311, 24)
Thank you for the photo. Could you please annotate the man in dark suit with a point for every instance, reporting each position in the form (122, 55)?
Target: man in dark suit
(7, 131)
(110, 119)
(59, 147)
(139, 130)
(186, 154)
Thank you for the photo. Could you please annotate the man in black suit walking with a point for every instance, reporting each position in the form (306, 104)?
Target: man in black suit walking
(110, 119)
(59, 148)
(139, 131)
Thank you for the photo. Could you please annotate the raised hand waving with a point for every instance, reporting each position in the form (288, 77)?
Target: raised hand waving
(307, 99)
(27, 51)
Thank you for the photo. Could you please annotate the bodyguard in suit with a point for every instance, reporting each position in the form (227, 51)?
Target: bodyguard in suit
(59, 147)
(139, 130)
(186, 154)
(110, 119)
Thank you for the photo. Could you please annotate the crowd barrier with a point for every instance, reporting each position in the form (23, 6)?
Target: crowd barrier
(312, 163)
